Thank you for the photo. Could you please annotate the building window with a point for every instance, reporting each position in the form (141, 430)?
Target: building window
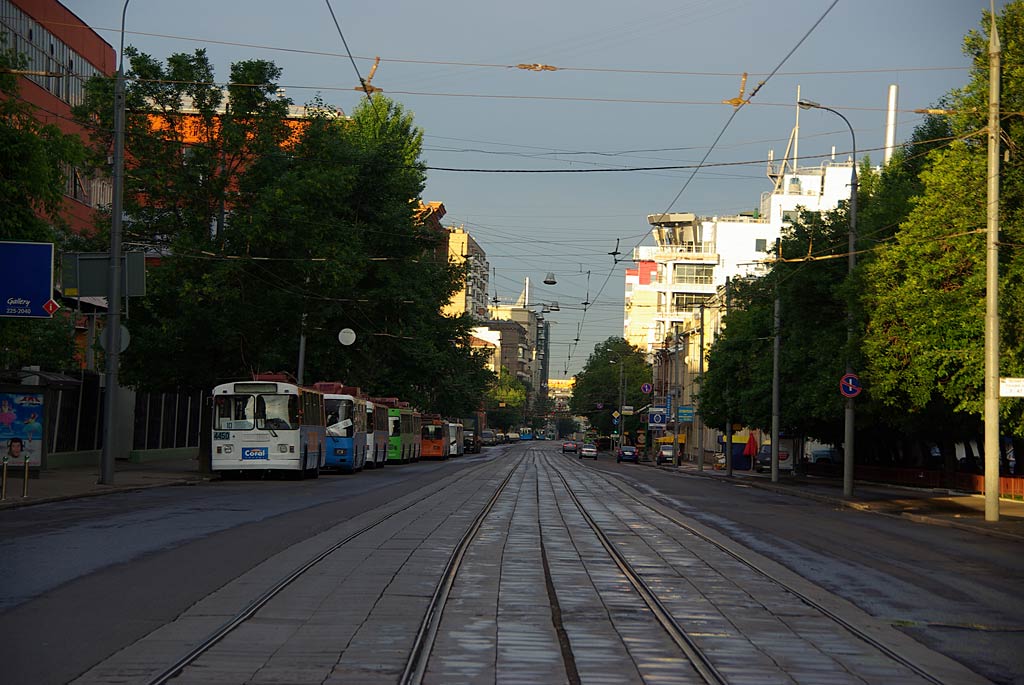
(701, 274)
(760, 245)
(686, 302)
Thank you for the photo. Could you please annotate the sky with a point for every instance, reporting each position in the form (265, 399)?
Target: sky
(546, 168)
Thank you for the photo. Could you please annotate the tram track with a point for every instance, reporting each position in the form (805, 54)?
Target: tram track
(665, 512)
(264, 598)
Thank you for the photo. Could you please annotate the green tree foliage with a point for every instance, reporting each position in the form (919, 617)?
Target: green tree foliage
(506, 401)
(268, 228)
(596, 390)
(810, 283)
(926, 289)
(33, 170)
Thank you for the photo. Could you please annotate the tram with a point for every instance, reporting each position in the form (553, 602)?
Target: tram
(434, 437)
(263, 425)
(346, 427)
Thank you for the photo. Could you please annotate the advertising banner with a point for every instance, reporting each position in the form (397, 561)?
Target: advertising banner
(21, 427)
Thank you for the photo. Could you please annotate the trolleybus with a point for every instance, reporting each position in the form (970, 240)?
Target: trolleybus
(346, 430)
(262, 425)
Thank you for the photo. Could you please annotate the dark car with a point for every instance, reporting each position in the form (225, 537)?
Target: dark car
(626, 453)
(569, 446)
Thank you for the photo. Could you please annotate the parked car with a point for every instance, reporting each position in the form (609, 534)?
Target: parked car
(627, 453)
(666, 454)
(764, 460)
(569, 446)
(488, 438)
(512, 437)
(500, 438)
(588, 450)
(825, 456)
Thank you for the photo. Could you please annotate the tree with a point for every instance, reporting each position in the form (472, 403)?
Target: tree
(596, 390)
(32, 180)
(926, 289)
(271, 229)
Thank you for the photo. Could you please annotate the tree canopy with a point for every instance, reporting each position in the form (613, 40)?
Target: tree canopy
(268, 227)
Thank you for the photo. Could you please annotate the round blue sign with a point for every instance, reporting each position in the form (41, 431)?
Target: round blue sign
(646, 388)
(849, 385)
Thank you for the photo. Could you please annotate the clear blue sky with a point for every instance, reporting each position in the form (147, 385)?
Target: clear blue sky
(452, 64)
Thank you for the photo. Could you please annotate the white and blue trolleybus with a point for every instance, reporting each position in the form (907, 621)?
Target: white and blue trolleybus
(265, 425)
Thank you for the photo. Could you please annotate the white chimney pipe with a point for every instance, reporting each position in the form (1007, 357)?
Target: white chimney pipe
(890, 124)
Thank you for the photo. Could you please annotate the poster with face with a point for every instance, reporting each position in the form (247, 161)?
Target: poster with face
(21, 428)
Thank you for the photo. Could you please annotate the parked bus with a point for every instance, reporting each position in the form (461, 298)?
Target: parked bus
(456, 446)
(434, 437)
(262, 425)
(401, 449)
(415, 439)
(346, 427)
(381, 434)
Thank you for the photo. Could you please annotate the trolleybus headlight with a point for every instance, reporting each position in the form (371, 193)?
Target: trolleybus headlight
(339, 451)
(282, 448)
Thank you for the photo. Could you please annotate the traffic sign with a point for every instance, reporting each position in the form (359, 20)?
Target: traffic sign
(646, 388)
(684, 413)
(656, 418)
(26, 280)
(615, 421)
(616, 414)
(849, 385)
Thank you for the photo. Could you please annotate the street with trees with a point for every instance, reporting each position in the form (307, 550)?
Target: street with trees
(596, 389)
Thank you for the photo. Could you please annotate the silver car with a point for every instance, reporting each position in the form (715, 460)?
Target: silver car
(588, 450)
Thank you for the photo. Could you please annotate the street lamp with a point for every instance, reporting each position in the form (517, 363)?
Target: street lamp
(851, 264)
(113, 331)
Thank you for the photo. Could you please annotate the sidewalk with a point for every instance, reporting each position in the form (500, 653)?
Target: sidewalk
(69, 483)
(950, 508)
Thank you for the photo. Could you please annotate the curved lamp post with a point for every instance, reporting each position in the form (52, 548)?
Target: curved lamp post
(851, 263)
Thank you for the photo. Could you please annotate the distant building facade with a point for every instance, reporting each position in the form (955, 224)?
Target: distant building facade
(472, 299)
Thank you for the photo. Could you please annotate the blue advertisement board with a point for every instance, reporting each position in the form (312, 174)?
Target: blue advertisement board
(26, 280)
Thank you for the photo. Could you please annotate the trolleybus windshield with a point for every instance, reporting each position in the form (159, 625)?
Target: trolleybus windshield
(266, 412)
(339, 417)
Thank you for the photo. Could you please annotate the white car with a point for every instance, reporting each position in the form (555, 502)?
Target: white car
(588, 450)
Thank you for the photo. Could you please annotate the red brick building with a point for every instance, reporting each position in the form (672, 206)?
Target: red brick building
(62, 53)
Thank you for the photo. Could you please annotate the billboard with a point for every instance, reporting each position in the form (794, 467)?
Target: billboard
(26, 280)
(22, 419)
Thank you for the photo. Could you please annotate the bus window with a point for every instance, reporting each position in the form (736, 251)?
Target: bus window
(233, 412)
(339, 417)
(394, 426)
(277, 412)
(433, 432)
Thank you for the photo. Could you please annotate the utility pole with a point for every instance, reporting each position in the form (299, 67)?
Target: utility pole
(697, 415)
(776, 354)
(992, 283)
(679, 398)
(728, 398)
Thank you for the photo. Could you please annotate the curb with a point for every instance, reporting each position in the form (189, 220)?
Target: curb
(19, 503)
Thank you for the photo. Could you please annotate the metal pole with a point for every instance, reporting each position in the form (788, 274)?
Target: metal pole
(113, 331)
(776, 354)
(697, 416)
(992, 284)
(728, 418)
(676, 461)
(622, 389)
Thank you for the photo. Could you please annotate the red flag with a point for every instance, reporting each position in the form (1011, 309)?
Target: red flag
(751, 449)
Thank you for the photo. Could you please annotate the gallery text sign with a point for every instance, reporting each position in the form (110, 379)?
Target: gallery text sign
(26, 279)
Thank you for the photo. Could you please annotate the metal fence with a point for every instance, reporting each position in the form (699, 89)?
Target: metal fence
(160, 420)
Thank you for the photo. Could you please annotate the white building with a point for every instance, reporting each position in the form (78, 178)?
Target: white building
(693, 255)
